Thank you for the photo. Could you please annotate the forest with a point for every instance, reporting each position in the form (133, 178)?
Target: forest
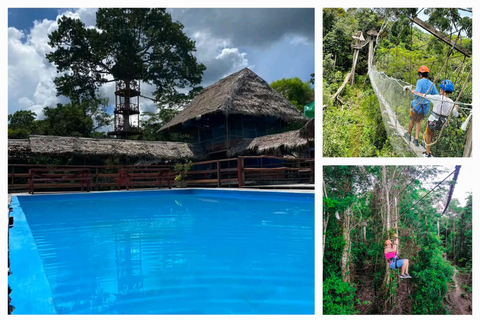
(363, 206)
(352, 119)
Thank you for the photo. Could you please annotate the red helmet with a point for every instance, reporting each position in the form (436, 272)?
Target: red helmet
(388, 243)
(423, 69)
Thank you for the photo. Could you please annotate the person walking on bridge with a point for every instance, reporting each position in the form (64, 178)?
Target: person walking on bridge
(420, 106)
(442, 106)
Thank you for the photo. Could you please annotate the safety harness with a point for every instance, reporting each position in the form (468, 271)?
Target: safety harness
(396, 258)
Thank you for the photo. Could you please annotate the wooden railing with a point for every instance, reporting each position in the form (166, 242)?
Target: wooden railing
(232, 172)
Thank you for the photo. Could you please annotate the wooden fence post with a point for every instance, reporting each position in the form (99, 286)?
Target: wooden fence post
(240, 171)
(96, 178)
(218, 174)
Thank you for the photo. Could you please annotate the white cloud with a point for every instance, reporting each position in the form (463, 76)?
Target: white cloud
(218, 55)
(299, 40)
(30, 77)
(233, 56)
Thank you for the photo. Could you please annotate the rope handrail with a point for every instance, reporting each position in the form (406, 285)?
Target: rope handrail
(406, 83)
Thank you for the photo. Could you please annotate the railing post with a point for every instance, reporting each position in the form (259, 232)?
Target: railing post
(218, 174)
(13, 179)
(240, 171)
(96, 178)
(312, 166)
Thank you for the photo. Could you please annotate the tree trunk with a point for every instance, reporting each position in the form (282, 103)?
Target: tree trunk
(325, 224)
(346, 249)
(354, 65)
(387, 197)
(341, 87)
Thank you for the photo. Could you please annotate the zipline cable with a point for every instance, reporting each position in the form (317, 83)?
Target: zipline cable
(414, 178)
(452, 186)
(403, 212)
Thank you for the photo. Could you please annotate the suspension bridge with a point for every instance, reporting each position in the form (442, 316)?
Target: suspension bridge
(395, 105)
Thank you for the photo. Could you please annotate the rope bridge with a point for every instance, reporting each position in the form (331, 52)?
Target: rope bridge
(395, 107)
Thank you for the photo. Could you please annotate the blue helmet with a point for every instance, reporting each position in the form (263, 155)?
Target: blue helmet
(447, 85)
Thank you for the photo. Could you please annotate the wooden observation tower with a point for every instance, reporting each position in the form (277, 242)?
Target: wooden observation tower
(127, 109)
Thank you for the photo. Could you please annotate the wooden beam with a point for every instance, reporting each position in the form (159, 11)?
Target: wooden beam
(467, 151)
(441, 36)
(347, 77)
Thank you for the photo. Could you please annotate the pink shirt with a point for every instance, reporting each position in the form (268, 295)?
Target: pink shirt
(390, 255)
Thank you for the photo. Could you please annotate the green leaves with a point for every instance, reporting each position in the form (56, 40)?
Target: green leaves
(128, 44)
(296, 91)
(338, 296)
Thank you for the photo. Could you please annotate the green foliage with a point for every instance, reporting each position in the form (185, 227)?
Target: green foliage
(449, 20)
(67, 120)
(355, 132)
(18, 133)
(181, 169)
(338, 297)
(73, 119)
(431, 274)
(22, 119)
(127, 44)
(296, 91)
(22, 124)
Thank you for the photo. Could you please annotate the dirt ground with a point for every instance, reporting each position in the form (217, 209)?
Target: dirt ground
(459, 301)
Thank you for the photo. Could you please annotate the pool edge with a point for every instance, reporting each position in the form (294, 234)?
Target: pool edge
(26, 268)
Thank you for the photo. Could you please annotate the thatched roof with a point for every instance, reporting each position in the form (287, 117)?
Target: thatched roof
(242, 93)
(52, 145)
(271, 144)
(308, 130)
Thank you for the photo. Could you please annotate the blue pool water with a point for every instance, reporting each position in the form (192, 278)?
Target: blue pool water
(164, 252)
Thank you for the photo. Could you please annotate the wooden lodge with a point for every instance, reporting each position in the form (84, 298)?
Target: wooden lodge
(236, 110)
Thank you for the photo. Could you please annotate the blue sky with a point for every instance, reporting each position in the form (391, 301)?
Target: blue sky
(22, 18)
(274, 43)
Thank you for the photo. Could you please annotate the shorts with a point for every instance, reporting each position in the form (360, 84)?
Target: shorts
(399, 263)
(428, 132)
(416, 117)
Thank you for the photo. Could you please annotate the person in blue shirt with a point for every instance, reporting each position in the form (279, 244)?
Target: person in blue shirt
(420, 106)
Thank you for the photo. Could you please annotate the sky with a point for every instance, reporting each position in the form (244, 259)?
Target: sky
(274, 43)
(464, 184)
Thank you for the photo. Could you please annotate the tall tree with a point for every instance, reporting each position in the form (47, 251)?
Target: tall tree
(136, 44)
(21, 124)
(296, 91)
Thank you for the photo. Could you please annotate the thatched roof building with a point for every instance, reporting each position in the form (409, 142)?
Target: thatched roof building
(241, 93)
(277, 144)
(52, 145)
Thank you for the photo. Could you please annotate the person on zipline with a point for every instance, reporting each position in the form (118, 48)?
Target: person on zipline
(419, 107)
(442, 105)
(393, 261)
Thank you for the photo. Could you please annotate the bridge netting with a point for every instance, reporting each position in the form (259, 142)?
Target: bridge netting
(395, 108)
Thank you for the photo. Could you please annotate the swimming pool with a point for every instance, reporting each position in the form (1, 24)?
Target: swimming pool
(189, 251)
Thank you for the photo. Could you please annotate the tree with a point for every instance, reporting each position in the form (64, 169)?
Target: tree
(22, 124)
(21, 119)
(449, 20)
(127, 45)
(296, 91)
(67, 120)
